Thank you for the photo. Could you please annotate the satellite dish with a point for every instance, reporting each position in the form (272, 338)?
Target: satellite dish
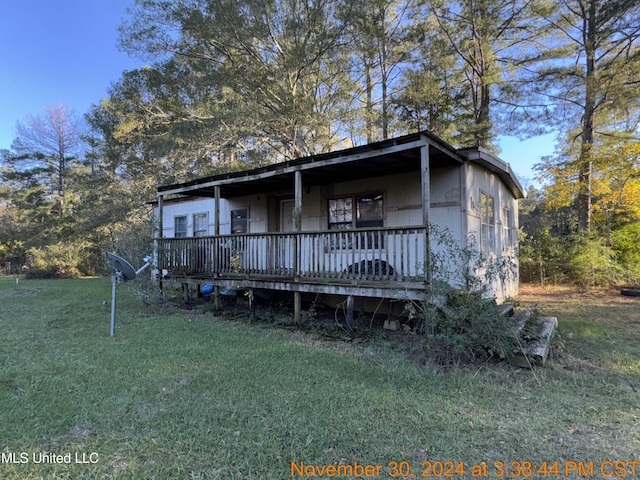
(123, 268)
(124, 271)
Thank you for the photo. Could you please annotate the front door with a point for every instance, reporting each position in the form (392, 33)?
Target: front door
(286, 215)
(286, 250)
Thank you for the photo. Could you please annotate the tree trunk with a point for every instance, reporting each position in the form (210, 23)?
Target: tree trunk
(484, 134)
(384, 75)
(584, 175)
(369, 107)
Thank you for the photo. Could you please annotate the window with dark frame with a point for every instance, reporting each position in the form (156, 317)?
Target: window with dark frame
(239, 221)
(180, 226)
(200, 225)
(369, 211)
(359, 211)
(340, 213)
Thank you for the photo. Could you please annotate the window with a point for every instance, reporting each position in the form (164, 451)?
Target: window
(488, 228)
(239, 220)
(360, 211)
(180, 226)
(200, 225)
(369, 211)
(340, 213)
(507, 228)
(367, 214)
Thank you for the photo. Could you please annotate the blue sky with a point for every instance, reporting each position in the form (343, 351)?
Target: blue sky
(65, 52)
(524, 154)
(54, 52)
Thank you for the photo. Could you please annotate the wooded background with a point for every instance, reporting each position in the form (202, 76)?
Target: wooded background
(234, 84)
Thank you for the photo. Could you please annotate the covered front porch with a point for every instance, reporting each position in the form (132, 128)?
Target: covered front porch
(387, 262)
(288, 249)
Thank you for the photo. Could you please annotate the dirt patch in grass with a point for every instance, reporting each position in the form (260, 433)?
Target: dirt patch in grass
(597, 329)
(601, 308)
(556, 299)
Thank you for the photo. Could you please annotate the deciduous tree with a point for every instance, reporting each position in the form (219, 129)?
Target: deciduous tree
(48, 143)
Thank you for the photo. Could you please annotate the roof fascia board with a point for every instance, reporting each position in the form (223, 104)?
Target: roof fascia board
(485, 158)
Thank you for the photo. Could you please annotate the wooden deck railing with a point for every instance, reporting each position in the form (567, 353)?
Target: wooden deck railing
(391, 254)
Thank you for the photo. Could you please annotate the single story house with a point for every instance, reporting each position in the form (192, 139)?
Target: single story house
(352, 223)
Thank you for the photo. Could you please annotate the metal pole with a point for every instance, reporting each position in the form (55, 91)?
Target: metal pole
(114, 281)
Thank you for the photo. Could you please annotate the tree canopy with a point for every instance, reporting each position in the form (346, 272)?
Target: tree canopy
(232, 84)
(587, 77)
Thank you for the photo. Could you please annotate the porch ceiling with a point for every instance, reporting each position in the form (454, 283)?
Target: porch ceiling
(389, 157)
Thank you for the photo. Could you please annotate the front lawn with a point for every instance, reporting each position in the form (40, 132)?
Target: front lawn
(181, 394)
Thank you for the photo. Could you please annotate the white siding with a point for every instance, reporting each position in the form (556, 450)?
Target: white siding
(455, 205)
(480, 180)
(188, 208)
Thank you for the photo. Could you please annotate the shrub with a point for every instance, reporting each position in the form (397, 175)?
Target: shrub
(626, 245)
(60, 260)
(592, 263)
(464, 327)
(12, 256)
(460, 320)
(147, 289)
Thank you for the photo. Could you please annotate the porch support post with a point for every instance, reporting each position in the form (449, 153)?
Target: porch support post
(216, 210)
(156, 244)
(350, 315)
(426, 206)
(216, 233)
(297, 209)
(252, 304)
(160, 215)
(297, 227)
(297, 308)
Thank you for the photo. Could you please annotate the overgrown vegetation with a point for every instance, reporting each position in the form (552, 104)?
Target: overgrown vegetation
(459, 317)
(626, 243)
(461, 326)
(550, 251)
(60, 260)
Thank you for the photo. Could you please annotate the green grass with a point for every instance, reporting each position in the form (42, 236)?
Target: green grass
(180, 394)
